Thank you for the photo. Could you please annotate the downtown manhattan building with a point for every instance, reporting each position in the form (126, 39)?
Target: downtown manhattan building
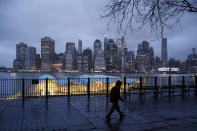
(47, 53)
(106, 56)
(30, 58)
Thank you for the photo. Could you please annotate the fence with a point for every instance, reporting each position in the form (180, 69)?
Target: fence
(29, 88)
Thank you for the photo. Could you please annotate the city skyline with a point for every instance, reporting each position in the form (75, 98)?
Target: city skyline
(20, 22)
(113, 57)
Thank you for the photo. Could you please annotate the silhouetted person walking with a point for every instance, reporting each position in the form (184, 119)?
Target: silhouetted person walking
(114, 98)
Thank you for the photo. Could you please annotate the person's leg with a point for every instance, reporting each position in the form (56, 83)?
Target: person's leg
(111, 111)
(117, 107)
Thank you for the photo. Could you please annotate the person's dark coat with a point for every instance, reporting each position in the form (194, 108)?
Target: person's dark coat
(115, 94)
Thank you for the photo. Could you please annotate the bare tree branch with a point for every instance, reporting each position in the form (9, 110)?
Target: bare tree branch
(158, 14)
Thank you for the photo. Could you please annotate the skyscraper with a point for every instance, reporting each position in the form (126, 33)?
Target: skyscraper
(191, 62)
(145, 55)
(97, 49)
(80, 62)
(71, 57)
(99, 61)
(80, 46)
(152, 58)
(114, 53)
(145, 46)
(87, 60)
(130, 64)
(108, 55)
(164, 52)
(30, 58)
(105, 47)
(38, 62)
(121, 55)
(97, 45)
(20, 54)
(59, 61)
(139, 46)
(194, 51)
(111, 56)
(47, 53)
(17, 65)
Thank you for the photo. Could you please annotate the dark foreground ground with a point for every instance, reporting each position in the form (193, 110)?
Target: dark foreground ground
(142, 113)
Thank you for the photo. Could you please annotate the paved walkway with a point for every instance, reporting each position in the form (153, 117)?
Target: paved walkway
(142, 113)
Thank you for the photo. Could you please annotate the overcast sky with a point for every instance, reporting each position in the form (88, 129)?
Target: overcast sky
(70, 20)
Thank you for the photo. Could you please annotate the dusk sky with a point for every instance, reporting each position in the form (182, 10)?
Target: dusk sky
(70, 20)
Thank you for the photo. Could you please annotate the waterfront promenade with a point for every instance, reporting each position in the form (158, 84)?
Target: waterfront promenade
(143, 112)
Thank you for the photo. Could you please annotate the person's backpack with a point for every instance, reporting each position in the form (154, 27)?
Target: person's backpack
(113, 95)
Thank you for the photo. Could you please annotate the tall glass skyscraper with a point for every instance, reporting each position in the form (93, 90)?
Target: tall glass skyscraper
(80, 46)
(71, 57)
(87, 60)
(111, 56)
(145, 57)
(20, 54)
(47, 53)
(97, 45)
(164, 52)
(99, 61)
(97, 48)
(30, 58)
(121, 54)
(105, 47)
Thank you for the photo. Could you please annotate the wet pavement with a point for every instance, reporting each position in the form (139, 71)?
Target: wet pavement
(80, 113)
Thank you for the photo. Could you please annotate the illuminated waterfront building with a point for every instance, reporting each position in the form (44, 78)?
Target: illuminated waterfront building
(70, 57)
(47, 53)
(30, 58)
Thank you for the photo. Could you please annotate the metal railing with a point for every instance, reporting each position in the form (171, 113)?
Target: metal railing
(29, 88)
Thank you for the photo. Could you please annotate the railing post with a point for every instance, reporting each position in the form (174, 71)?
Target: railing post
(183, 83)
(47, 88)
(156, 89)
(195, 77)
(88, 88)
(68, 87)
(107, 87)
(140, 85)
(169, 84)
(125, 84)
(23, 90)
